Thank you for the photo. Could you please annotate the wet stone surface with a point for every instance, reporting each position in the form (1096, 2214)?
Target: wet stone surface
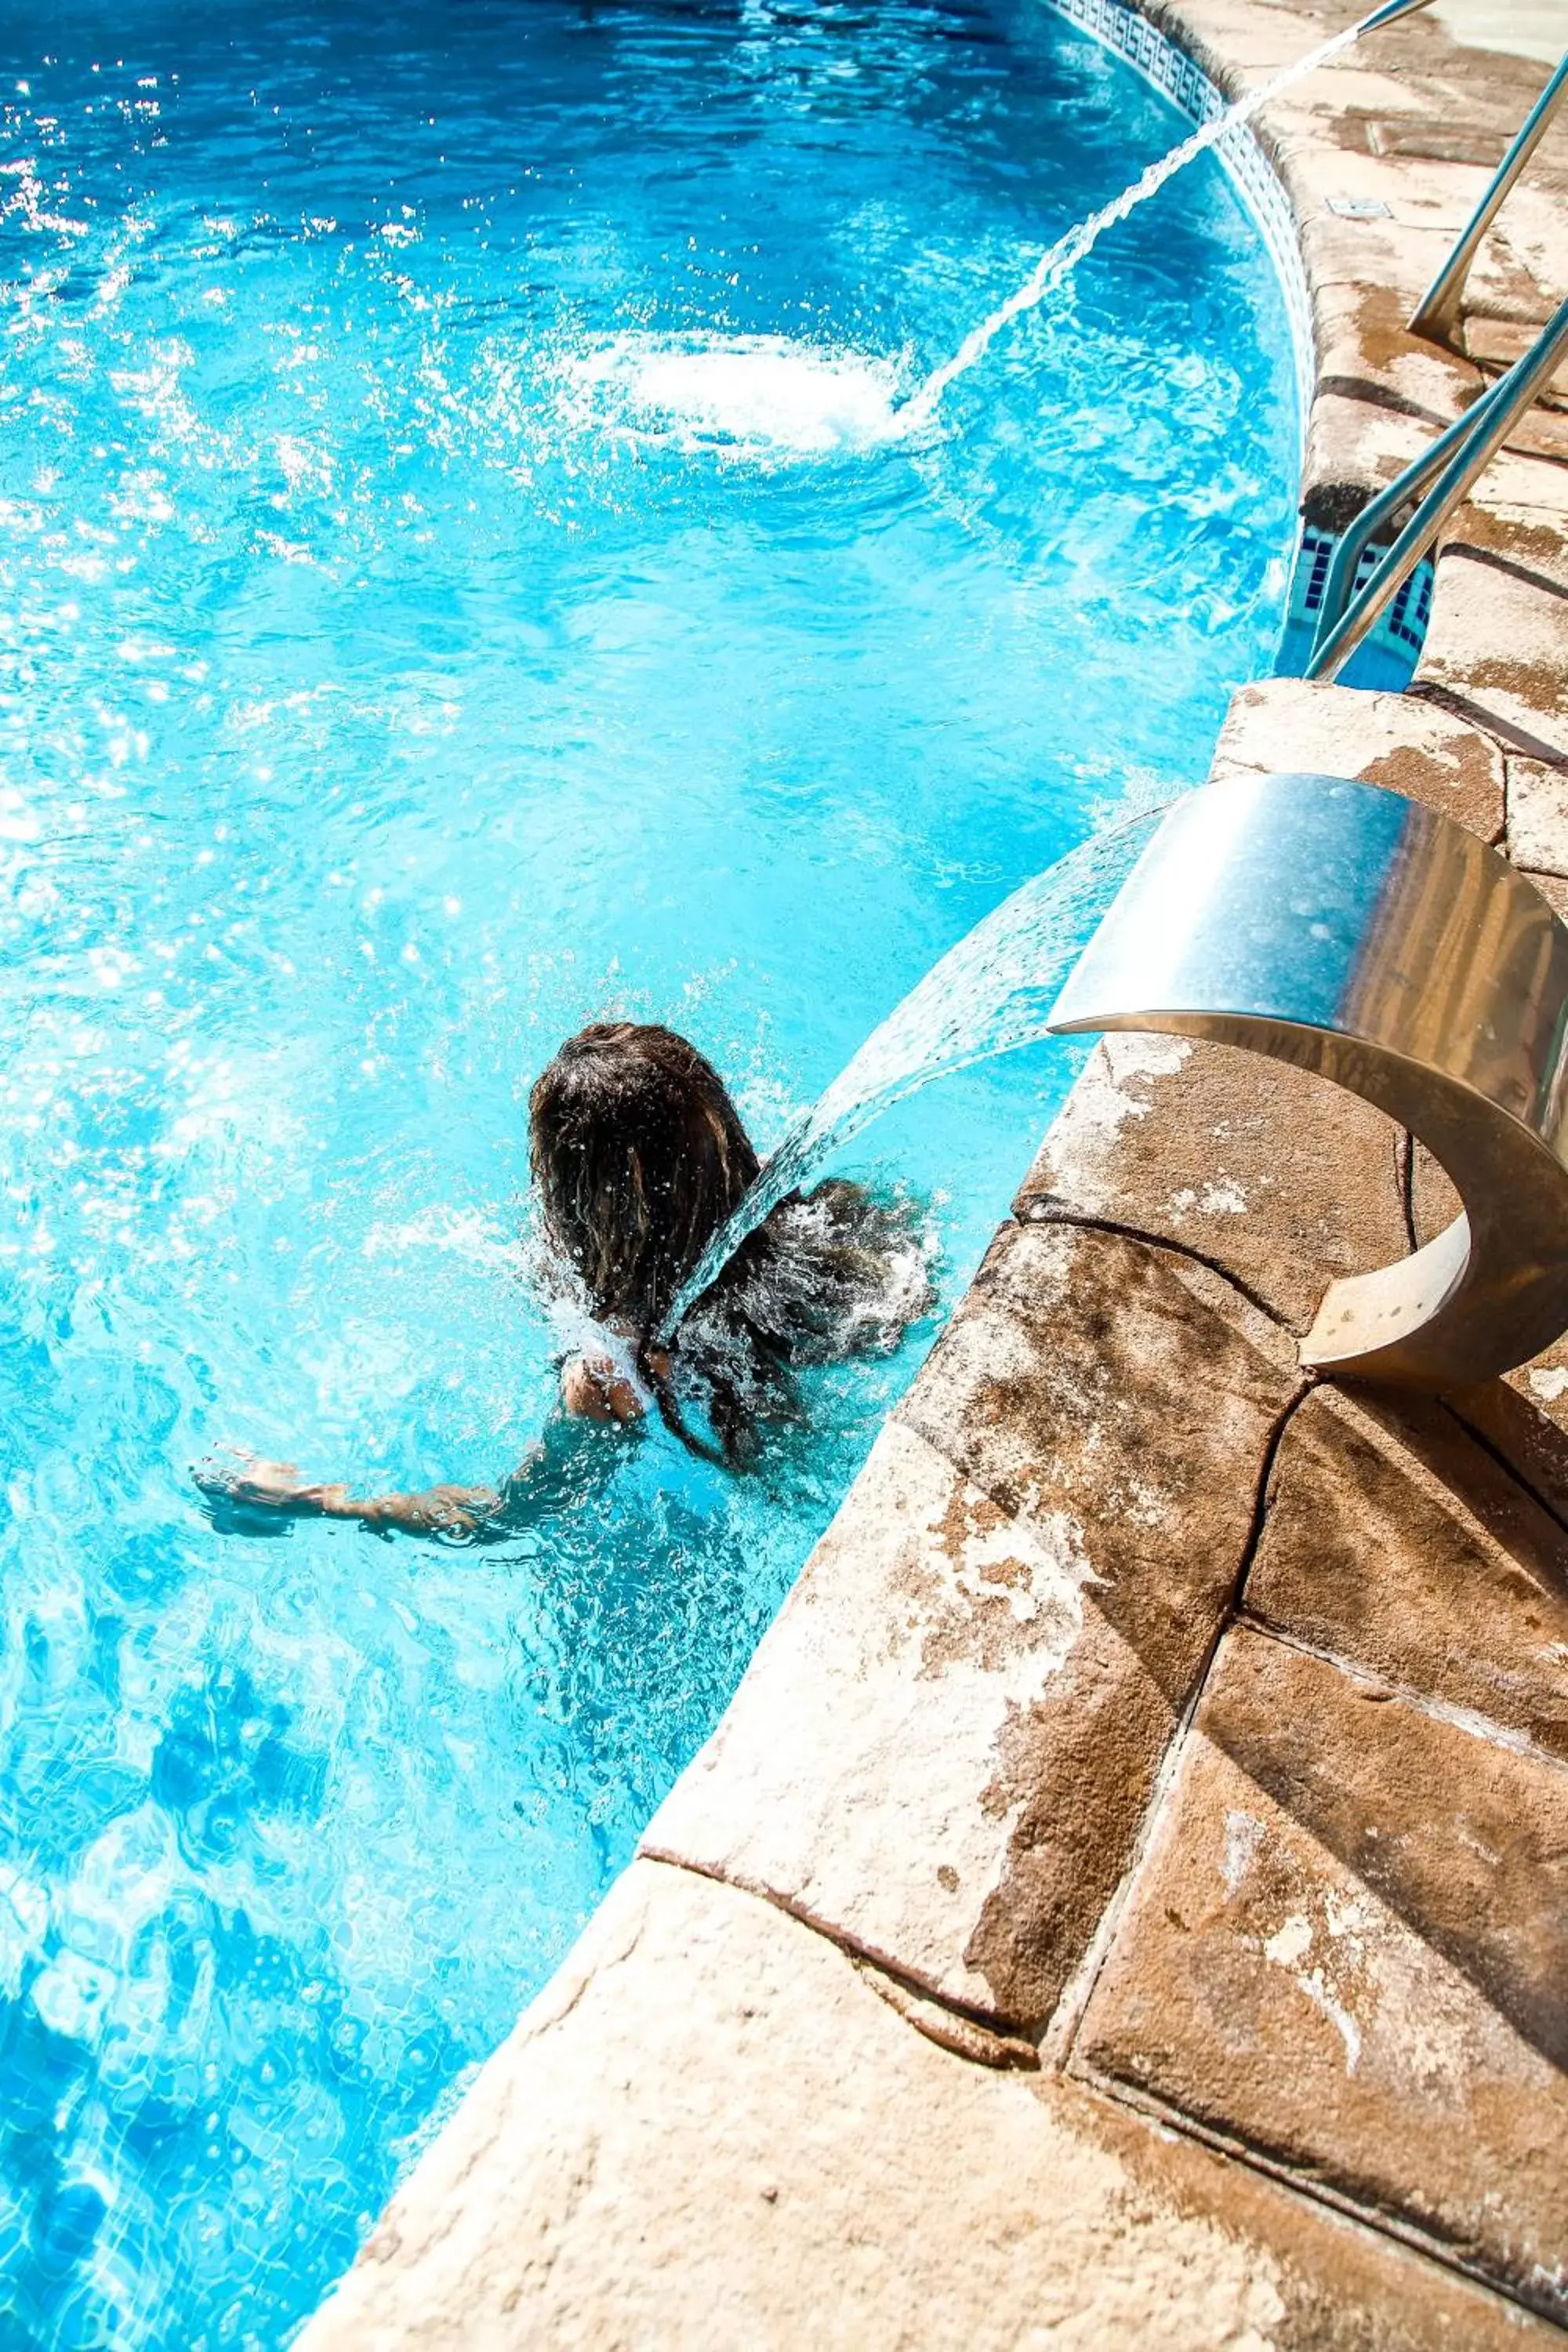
(1349, 1949)
(1494, 653)
(984, 1661)
(1281, 1179)
(1394, 1539)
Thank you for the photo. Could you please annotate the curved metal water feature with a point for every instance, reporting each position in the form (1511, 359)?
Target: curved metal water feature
(1348, 930)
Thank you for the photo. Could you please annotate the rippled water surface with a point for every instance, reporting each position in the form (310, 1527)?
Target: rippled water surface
(460, 573)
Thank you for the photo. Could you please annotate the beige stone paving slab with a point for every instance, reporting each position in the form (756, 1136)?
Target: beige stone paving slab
(1524, 1419)
(1361, 336)
(1530, 28)
(1553, 888)
(944, 1745)
(710, 2133)
(1523, 490)
(1349, 1949)
(1281, 1179)
(1537, 818)
(1518, 274)
(1494, 341)
(1345, 251)
(1527, 543)
(1495, 654)
(1406, 746)
(1355, 447)
(1393, 1539)
(1420, 193)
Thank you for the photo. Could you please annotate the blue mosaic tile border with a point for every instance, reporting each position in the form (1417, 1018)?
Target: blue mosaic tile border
(1388, 654)
(1181, 79)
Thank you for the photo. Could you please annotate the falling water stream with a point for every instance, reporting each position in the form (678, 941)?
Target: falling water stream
(989, 994)
(1060, 260)
(758, 394)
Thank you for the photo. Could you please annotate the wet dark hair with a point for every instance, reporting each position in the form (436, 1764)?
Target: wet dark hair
(639, 1155)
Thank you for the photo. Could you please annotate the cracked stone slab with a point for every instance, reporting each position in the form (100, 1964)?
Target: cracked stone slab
(1348, 1951)
(1355, 447)
(1395, 1541)
(945, 1747)
(708, 2132)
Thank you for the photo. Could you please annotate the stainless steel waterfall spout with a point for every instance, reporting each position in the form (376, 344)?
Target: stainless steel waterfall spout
(1350, 931)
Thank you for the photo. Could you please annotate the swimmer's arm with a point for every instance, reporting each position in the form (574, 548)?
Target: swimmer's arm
(246, 1482)
(591, 1391)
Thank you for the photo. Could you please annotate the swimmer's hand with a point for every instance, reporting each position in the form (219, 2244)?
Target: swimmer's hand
(593, 1389)
(235, 1475)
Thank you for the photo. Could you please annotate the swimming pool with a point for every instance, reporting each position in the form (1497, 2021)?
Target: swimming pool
(458, 579)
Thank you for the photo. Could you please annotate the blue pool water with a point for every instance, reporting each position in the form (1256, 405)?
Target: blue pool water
(456, 579)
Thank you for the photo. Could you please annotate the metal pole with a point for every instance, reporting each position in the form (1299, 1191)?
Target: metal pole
(1515, 393)
(1438, 307)
(1389, 15)
(1340, 585)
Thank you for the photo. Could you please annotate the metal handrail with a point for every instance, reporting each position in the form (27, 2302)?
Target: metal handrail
(1386, 510)
(1486, 427)
(1438, 307)
(1389, 13)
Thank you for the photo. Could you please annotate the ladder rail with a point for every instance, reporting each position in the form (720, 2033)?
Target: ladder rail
(1472, 445)
(1384, 511)
(1434, 314)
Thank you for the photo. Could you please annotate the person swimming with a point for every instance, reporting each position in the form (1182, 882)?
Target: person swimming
(639, 1155)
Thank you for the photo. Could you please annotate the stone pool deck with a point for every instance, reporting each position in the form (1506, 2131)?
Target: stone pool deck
(1127, 1901)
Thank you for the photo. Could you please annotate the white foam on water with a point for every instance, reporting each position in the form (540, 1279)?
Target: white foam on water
(743, 396)
(768, 396)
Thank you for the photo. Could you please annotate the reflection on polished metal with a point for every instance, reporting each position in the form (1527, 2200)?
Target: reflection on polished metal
(1482, 432)
(1438, 307)
(1350, 931)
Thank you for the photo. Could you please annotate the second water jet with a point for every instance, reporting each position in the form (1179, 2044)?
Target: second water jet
(1060, 260)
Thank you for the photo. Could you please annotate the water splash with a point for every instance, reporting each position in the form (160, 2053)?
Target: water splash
(759, 396)
(992, 993)
(765, 396)
(1062, 259)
